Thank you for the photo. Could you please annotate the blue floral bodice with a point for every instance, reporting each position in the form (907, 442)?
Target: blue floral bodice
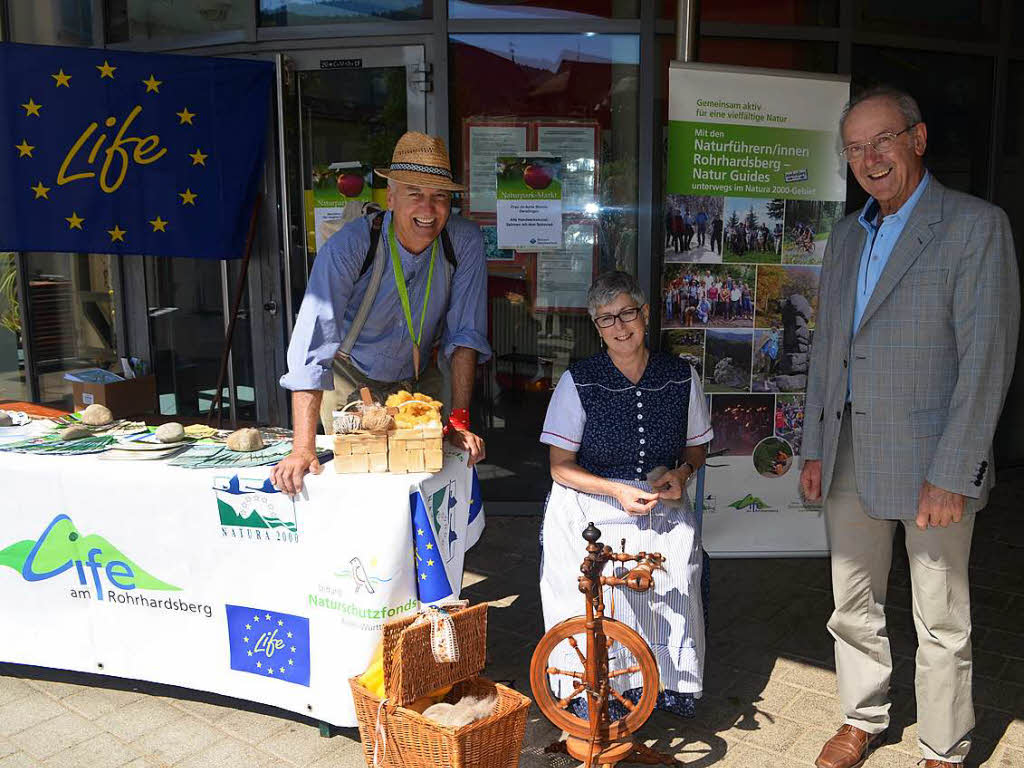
(632, 428)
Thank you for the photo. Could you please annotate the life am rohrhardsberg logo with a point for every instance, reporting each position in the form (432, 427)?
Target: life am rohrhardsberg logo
(95, 564)
(270, 644)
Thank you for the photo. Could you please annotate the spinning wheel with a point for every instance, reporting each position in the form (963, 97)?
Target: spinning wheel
(598, 739)
(617, 634)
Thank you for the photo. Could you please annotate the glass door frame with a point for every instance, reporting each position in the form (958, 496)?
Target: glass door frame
(410, 56)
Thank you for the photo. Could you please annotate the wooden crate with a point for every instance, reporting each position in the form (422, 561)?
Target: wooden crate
(361, 452)
(416, 449)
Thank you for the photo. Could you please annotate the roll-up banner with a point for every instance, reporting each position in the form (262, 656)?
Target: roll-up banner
(754, 186)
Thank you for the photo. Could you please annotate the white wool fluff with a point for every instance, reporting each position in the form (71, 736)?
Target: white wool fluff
(467, 710)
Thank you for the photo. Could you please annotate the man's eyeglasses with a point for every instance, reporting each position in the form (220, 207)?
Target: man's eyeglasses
(627, 315)
(884, 143)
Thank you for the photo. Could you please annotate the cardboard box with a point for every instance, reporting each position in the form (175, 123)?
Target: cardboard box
(128, 398)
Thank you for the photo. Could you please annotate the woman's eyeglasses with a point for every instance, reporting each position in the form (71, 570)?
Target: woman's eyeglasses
(627, 315)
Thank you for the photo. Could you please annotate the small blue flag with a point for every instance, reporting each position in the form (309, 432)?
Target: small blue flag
(431, 577)
(269, 643)
(476, 502)
(108, 151)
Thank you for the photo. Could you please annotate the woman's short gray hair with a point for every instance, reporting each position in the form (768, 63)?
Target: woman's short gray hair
(903, 101)
(608, 285)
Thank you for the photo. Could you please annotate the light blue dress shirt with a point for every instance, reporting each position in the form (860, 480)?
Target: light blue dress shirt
(878, 247)
(384, 348)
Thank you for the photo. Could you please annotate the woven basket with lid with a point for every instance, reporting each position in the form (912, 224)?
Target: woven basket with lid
(406, 739)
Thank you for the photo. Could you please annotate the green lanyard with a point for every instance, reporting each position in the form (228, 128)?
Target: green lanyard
(403, 295)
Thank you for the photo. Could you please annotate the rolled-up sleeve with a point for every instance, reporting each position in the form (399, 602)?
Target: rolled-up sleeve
(466, 321)
(316, 335)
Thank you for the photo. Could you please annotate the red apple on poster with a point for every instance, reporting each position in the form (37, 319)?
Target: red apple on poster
(537, 176)
(350, 185)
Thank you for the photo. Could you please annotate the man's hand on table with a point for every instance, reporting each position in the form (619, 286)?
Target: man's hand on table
(287, 474)
(467, 441)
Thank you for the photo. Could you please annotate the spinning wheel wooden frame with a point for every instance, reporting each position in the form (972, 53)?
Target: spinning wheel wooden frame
(600, 740)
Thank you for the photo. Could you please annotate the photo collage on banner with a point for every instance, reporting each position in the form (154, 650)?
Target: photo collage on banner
(754, 187)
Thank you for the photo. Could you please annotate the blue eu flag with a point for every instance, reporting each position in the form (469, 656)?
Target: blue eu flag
(431, 576)
(476, 502)
(118, 152)
(269, 643)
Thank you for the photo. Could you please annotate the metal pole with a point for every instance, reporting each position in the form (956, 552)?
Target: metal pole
(686, 30)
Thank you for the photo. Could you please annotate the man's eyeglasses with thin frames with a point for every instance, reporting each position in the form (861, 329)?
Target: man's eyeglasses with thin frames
(628, 315)
(883, 143)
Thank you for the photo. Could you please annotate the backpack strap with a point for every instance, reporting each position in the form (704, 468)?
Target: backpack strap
(375, 224)
(376, 257)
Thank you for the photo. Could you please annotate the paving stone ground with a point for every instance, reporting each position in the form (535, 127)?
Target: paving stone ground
(770, 683)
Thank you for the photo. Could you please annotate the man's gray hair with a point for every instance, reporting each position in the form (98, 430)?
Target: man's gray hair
(608, 285)
(903, 101)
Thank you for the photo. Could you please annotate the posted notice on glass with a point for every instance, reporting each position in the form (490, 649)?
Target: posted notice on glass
(529, 201)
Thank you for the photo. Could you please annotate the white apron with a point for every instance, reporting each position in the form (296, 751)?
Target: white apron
(668, 617)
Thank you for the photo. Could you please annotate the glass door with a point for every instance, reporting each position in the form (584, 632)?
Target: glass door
(342, 112)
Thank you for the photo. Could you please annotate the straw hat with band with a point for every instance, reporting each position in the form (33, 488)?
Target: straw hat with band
(421, 160)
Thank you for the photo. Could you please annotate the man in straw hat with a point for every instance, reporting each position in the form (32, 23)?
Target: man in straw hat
(385, 292)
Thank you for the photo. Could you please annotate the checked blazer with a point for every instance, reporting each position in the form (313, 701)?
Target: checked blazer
(932, 358)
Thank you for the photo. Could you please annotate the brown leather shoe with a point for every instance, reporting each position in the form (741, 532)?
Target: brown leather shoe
(848, 748)
(941, 764)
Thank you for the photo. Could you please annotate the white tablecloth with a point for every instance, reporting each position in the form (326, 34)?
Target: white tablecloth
(209, 579)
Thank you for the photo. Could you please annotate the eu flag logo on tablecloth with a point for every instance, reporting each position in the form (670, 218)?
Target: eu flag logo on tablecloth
(269, 643)
(431, 575)
(129, 153)
(476, 502)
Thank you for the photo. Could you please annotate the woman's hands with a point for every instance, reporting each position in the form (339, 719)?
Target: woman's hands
(672, 485)
(633, 500)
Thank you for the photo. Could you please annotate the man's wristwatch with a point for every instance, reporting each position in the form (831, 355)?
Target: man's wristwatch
(693, 470)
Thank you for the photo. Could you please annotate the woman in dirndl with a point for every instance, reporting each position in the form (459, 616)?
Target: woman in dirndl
(613, 418)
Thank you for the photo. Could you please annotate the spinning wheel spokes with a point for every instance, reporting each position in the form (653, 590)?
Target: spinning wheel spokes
(622, 643)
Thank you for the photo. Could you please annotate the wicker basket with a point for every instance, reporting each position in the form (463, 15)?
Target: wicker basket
(415, 449)
(361, 452)
(404, 738)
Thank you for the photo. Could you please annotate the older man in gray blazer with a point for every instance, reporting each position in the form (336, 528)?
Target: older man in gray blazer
(912, 356)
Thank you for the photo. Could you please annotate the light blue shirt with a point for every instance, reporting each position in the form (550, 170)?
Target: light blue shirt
(877, 248)
(383, 350)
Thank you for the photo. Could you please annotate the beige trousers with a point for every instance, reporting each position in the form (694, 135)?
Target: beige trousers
(348, 378)
(861, 554)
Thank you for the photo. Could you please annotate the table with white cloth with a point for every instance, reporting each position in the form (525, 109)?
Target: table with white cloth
(213, 580)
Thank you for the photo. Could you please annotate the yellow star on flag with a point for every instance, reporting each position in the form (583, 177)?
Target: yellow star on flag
(24, 149)
(423, 576)
(116, 233)
(62, 79)
(282, 670)
(74, 221)
(31, 108)
(152, 84)
(430, 545)
(186, 116)
(188, 197)
(259, 664)
(40, 190)
(430, 562)
(270, 670)
(419, 531)
(106, 70)
(159, 225)
(198, 158)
